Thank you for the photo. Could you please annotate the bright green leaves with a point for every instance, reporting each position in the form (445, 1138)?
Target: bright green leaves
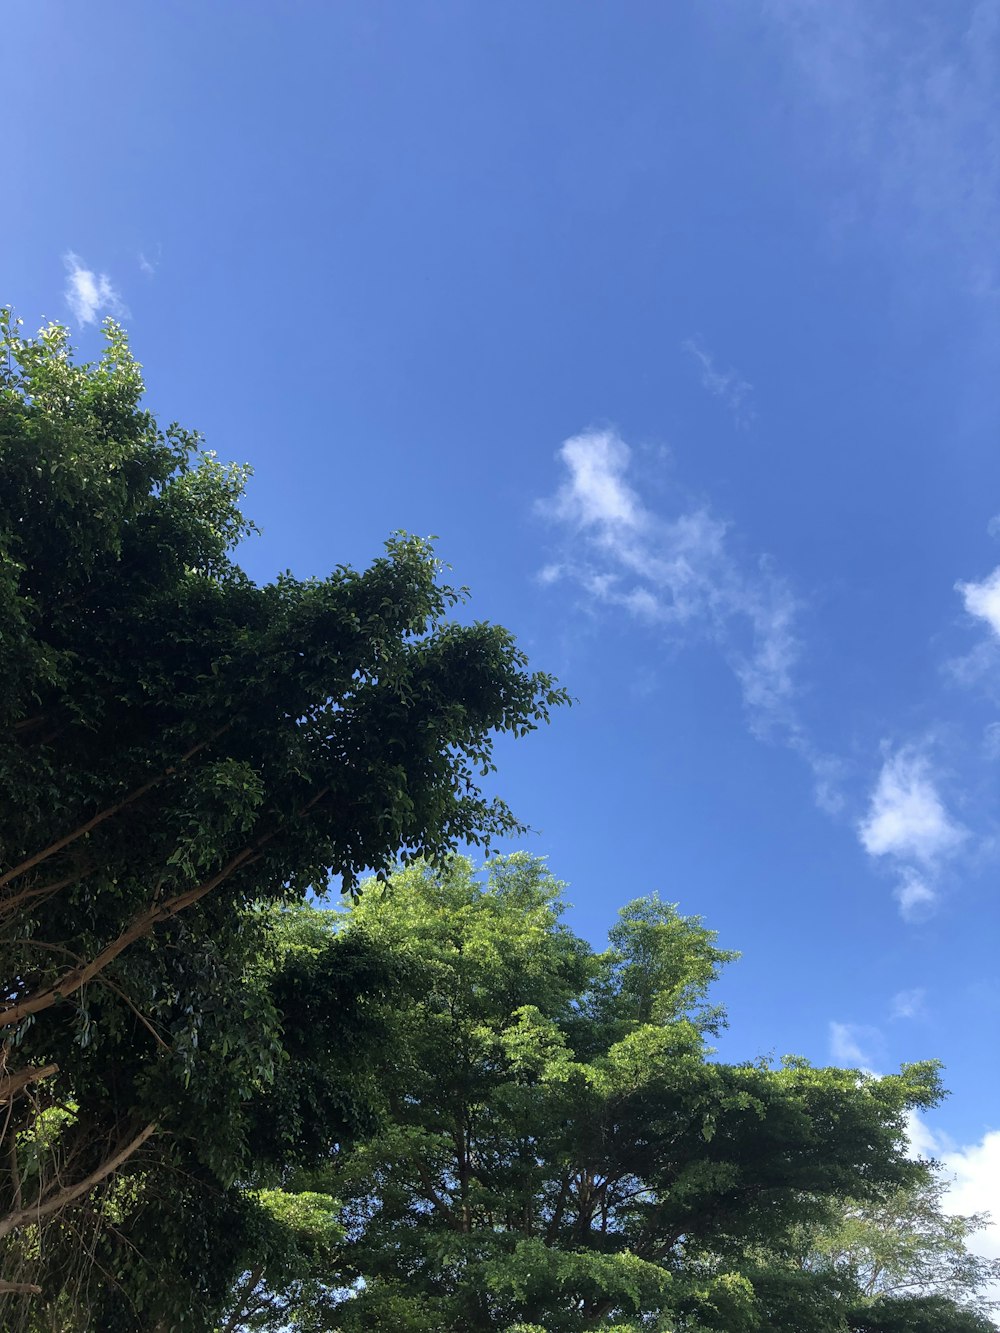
(558, 1148)
(663, 964)
(533, 1275)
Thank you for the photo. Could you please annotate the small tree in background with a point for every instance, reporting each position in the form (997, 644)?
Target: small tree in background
(904, 1246)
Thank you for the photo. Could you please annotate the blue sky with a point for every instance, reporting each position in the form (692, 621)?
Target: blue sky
(679, 325)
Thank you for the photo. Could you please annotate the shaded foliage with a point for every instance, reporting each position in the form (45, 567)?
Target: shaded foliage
(179, 747)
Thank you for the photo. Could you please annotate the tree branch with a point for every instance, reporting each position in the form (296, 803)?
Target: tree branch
(163, 1045)
(12, 1084)
(111, 810)
(139, 926)
(10, 904)
(45, 1207)
(243, 1299)
(15, 1174)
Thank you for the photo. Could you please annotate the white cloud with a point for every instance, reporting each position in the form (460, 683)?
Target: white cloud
(917, 899)
(908, 1003)
(678, 572)
(975, 1172)
(907, 818)
(908, 116)
(595, 493)
(907, 822)
(549, 574)
(851, 1043)
(90, 294)
(767, 672)
(828, 773)
(983, 599)
(978, 667)
(728, 386)
(922, 1139)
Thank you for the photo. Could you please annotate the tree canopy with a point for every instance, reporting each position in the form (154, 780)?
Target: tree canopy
(180, 747)
(558, 1149)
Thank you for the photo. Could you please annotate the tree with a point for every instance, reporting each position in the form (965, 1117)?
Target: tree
(181, 746)
(558, 1149)
(919, 1314)
(904, 1245)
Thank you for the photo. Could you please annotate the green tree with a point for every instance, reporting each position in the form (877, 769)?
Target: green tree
(558, 1148)
(180, 746)
(905, 1245)
(919, 1314)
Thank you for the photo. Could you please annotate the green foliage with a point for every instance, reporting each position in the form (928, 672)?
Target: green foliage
(903, 1245)
(918, 1314)
(182, 751)
(558, 1149)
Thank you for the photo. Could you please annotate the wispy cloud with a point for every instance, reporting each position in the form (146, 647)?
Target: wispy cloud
(678, 572)
(149, 265)
(88, 294)
(728, 386)
(851, 1045)
(908, 1003)
(991, 740)
(682, 573)
(911, 110)
(916, 897)
(982, 602)
(908, 823)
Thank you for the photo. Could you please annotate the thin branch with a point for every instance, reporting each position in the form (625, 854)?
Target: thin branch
(45, 1207)
(106, 981)
(16, 900)
(432, 1194)
(12, 1084)
(106, 814)
(27, 723)
(243, 1299)
(140, 925)
(15, 1173)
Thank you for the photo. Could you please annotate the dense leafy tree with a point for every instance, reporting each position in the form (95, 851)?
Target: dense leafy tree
(179, 747)
(559, 1151)
(918, 1314)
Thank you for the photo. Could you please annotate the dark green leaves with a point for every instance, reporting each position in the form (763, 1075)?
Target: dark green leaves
(179, 747)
